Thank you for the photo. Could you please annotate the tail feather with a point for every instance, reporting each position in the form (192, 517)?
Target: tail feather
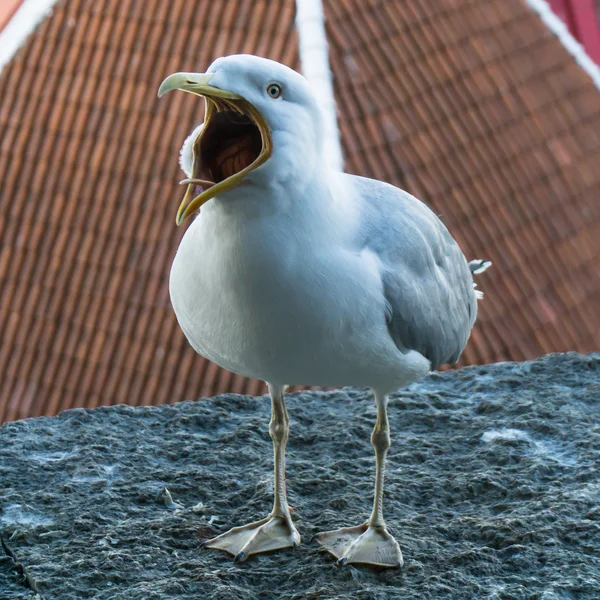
(479, 266)
(476, 267)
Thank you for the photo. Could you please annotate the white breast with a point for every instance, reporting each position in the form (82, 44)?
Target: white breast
(263, 299)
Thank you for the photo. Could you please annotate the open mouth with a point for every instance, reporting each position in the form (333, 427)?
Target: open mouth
(235, 140)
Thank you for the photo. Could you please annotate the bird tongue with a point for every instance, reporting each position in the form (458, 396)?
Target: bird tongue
(198, 186)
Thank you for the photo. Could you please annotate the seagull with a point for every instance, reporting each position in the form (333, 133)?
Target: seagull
(296, 274)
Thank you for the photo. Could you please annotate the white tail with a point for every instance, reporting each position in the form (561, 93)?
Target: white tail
(479, 266)
(476, 267)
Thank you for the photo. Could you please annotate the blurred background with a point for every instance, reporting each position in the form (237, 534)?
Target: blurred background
(476, 107)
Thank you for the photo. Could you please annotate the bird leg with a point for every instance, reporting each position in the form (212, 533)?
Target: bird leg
(277, 530)
(369, 543)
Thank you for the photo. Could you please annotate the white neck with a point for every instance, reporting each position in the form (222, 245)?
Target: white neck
(317, 206)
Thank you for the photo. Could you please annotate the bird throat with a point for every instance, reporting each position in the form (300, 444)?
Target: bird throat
(234, 157)
(234, 141)
(229, 143)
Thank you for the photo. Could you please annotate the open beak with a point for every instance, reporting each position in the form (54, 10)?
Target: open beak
(235, 140)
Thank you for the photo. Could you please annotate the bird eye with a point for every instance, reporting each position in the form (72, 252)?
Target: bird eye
(274, 90)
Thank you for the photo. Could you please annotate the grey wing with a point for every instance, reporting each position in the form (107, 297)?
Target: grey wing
(432, 308)
(427, 283)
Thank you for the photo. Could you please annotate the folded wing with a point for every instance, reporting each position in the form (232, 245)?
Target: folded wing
(428, 286)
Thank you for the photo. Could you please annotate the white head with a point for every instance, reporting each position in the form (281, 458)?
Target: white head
(262, 125)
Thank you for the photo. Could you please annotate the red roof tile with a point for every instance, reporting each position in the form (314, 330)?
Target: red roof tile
(474, 107)
(480, 111)
(87, 152)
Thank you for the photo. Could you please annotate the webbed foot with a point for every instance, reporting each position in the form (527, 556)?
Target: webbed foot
(363, 544)
(271, 533)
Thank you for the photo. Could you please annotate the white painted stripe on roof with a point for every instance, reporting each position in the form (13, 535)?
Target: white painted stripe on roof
(561, 31)
(26, 18)
(314, 57)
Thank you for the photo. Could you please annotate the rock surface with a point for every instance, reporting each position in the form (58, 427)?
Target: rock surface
(492, 488)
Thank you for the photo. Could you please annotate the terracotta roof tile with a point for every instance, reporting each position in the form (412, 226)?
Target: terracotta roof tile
(498, 130)
(85, 315)
(474, 107)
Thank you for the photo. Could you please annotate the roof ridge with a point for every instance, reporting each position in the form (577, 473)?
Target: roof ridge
(314, 57)
(577, 51)
(16, 31)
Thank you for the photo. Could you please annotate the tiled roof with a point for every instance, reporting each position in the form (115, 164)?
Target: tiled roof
(474, 107)
(477, 109)
(88, 193)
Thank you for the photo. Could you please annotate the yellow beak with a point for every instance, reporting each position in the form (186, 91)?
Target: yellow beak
(194, 83)
(216, 100)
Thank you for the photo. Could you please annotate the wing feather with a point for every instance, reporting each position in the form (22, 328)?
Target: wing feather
(428, 287)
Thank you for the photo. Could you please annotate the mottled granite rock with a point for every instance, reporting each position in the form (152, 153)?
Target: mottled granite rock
(493, 489)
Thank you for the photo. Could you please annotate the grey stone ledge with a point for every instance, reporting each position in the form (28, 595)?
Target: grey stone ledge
(492, 489)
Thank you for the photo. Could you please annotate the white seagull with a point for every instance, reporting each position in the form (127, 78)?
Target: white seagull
(299, 275)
